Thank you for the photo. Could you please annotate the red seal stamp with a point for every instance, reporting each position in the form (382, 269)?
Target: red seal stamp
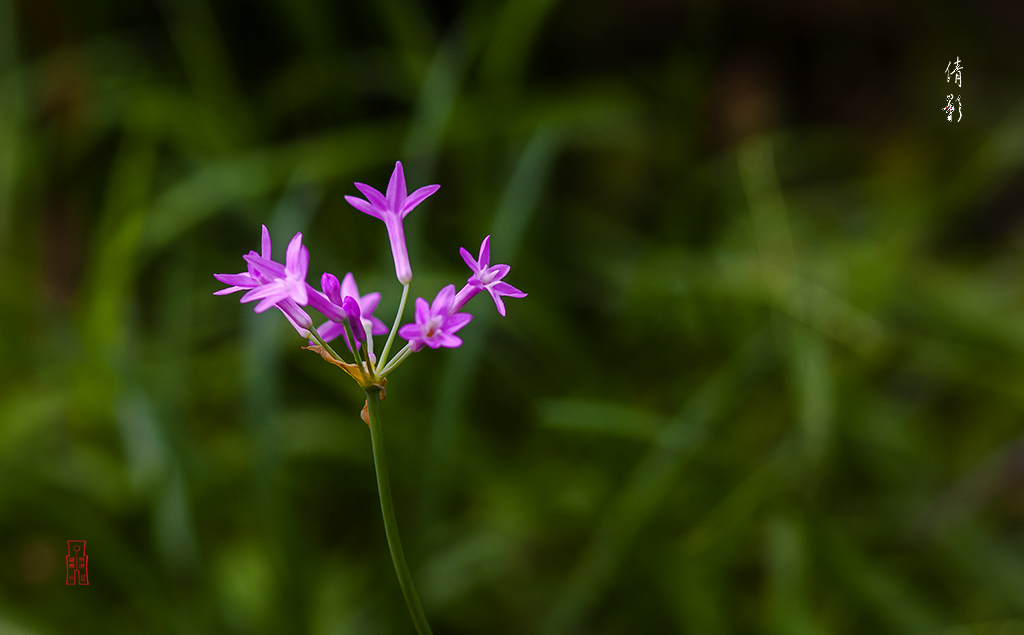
(78, 563)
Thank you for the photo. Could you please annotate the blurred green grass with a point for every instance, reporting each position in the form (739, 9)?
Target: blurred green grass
(768, 377)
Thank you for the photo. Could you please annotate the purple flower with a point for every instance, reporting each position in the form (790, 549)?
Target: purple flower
(336, 293)
(485, 277)
(392, 209)
(257, 277)
(436, 324)
(284, 282)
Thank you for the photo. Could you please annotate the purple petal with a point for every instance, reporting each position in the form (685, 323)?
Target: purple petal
(448, 340)
(348, 286)
(299, 318)
(265, 291)
(455, 322)
(418, 197)
(443, 300)
(497, 272)
(504, 288)
(485, 253)
(329, 283)
(265, 248)
(433, 342)
(238, 279)
(322, 303)
(396, 189)
(265, 304)
(363, 206)
(409, 332)
(368, 303)
(498, 302)
(330, 330)
(422, 312)
(466, 256)
(253, 271)
(377, 326)
(351, 307)
(294, 260)
(301, 330)
(265, 267)
(373, 195)
(300, 292)
(228, 290)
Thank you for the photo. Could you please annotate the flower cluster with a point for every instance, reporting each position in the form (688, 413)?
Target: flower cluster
(349, 314)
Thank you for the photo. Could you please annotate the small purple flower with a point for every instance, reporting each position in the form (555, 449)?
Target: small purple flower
(436, 323)
(336, 293)
(286, 281)
(392, 209)
(255, 278)
(485, 277)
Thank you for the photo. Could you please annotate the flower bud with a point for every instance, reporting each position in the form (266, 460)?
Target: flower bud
(355, 321)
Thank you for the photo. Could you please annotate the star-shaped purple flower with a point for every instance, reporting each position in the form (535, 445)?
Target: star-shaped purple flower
(260, 276)
(337, 294)
(286, 281)
(436, 323)
(392, 209)
(485, 277)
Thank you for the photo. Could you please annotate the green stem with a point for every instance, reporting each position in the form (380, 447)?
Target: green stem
(388, 510)
(327, 347)
(399, 358)
(369, 352)
(394, 329)
(355, 348)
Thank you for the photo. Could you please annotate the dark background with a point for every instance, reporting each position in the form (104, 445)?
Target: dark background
(769, 377)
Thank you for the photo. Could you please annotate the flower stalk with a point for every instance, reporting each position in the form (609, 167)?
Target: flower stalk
(394, 329)
(320, 340)
(355, 349)
(387, 509)
(350, 317)
(399, 358)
